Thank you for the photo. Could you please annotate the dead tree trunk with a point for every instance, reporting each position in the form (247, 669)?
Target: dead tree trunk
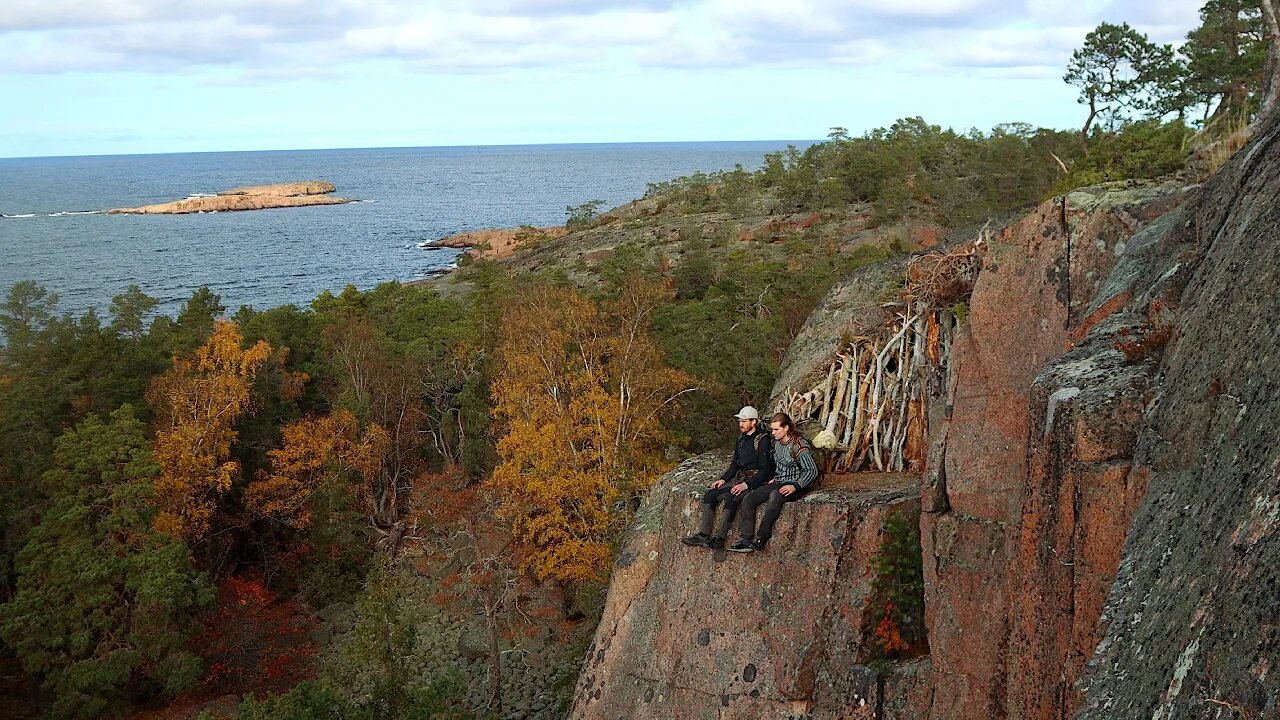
(495, 656)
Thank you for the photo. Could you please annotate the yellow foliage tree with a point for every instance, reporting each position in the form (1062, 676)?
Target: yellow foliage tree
(316, 451)
(579, 393)
(197, 403)
(387, 391)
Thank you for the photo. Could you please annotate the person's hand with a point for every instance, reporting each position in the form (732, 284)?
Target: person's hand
(786, 490)
(739, 488)
(717, 484)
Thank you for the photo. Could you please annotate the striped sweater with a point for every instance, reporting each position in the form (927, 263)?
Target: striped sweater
(793, 463)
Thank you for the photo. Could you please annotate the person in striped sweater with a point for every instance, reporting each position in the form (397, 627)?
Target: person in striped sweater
(795, 470)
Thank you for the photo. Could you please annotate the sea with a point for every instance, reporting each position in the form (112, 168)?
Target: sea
(53, 230)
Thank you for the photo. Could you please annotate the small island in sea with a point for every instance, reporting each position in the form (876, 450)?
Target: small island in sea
(257, 197)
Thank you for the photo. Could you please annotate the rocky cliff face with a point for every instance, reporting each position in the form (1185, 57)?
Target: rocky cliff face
(1113, 378)
(998, 604)
(1193, 619)
(692, 633)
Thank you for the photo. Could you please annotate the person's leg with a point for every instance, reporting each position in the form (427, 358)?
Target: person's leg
(731, 503)
(773, 508)
(747, 511)
(710, 499)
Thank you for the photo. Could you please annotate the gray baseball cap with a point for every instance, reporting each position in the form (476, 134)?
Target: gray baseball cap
(748, 413)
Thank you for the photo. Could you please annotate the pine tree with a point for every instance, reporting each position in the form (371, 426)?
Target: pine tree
(895, 606)
(1225, 57)
(104, 603)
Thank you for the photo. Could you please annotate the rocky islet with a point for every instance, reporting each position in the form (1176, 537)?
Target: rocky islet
(255, 197)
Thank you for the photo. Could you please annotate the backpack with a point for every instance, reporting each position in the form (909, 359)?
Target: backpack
(808, 430)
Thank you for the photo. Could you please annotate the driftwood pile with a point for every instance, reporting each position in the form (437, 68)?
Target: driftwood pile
(872, 395)
(941, 279)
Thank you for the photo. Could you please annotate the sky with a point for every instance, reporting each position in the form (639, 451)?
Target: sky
(144, 76)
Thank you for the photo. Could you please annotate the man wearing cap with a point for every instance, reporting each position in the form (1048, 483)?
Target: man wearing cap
(752, 466)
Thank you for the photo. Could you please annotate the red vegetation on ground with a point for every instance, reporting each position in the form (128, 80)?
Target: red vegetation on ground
(255, 640)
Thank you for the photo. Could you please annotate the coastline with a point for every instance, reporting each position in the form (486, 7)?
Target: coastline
(497, 243)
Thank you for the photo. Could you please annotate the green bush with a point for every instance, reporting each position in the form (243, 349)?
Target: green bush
(441, 699)
(582, 216)
(1139, 150)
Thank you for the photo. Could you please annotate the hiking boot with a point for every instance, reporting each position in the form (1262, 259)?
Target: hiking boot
(696, 540)
(743, 546)
(716, 542)
(760, 543)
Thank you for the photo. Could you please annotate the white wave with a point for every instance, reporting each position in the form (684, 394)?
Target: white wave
(26, 215)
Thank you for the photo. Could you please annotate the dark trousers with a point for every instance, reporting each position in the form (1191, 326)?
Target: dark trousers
(714, 497)
(773, 501)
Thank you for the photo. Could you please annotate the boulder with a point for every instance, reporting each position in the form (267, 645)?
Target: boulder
(853, 307)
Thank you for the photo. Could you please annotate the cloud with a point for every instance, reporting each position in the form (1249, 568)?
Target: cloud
(563, 7)
(65, 14)
(267, 40)
(1009, 48)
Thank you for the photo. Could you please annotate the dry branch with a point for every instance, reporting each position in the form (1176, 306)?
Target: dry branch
(871, 395)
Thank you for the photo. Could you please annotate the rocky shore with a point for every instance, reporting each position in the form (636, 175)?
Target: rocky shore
(256, 197)
(498, 243)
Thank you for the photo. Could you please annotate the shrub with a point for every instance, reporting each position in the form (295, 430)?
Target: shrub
(1138, 150)
(582, 216)
(895, 608)
(1148, 339)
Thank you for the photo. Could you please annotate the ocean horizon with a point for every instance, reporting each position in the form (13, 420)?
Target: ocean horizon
(632, 143)
(54, 229)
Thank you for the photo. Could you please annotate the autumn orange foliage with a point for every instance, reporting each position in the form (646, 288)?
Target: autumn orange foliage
(888, 636)
(315, 451)
(580, 396)
(197, 404)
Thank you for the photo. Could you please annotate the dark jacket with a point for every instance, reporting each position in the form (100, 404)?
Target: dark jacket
(753, 453)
